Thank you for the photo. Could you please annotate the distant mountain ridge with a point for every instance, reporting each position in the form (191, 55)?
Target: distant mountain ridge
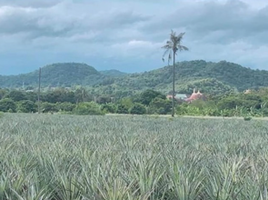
(58, 75)
(190, 74)
(209, 77)
(113, 73)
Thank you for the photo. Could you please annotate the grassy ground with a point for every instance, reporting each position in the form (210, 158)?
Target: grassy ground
(66, 157)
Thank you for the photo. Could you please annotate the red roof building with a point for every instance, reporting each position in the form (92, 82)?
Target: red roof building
(194, 96)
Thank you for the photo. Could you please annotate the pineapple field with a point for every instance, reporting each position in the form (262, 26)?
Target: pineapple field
(65, 157)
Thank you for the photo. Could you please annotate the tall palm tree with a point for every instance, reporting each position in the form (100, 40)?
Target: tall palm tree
(171, 48)
(39, 85)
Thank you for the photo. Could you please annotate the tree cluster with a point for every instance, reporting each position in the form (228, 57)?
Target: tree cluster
(82, 102)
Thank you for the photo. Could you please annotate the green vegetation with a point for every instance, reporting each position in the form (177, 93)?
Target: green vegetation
(211, 78)
(131, 157)
(138, 109)
(111, 91)
(26, 106)
(235, 104)
(208, 86)
(113, 73)
(7, 105)
(134, 157)
(82, 102)
(87, 108)
(59, 75)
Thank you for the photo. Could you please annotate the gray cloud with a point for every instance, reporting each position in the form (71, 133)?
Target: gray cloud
(135, 30)
(235, 19)
(78, 23)
(34, 21)
(29, 3)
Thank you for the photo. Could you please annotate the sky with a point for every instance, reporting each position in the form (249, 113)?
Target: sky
(127, 35)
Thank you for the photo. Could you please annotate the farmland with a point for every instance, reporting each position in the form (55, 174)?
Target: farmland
(64, 157)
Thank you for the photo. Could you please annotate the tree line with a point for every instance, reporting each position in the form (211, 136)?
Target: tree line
(81, 101)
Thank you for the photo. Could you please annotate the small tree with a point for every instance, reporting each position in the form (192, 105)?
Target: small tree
(48, 107)
(108, 108)
(3, 93)
(26, 106)
(160, 106)
(171, 48)
(16, 95)
(138, 109)
(65, 106)
(122, 109)
(124, 105)
(148, 95)
(88, 108)
(7, 105)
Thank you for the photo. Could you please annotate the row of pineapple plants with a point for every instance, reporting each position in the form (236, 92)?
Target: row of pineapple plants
(131, 158)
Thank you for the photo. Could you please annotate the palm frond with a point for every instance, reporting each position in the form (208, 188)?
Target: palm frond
(179, 37)
(165, 47)
(183, 48)
(173, 38)
(169, 57)
(167, 51)
(168, 45)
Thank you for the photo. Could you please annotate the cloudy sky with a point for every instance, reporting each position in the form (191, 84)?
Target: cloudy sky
(128, 34)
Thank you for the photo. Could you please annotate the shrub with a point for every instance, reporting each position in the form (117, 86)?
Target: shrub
(49, 107)
(182, 109)
(7, 105)
(26, 106)
(147, 96)
(108, 108)
(124, 105)
(138, 109)
(16, 95)
(160, 106)
(87, 108)
(122, 109)
(65, 106)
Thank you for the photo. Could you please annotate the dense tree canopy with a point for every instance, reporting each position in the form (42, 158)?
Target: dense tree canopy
(253, 103)
(209, 77)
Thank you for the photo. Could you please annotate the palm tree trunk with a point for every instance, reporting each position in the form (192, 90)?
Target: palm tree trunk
(173, 88)
(39, 84)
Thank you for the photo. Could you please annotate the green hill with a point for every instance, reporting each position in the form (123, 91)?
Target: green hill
(222, 74)
(113, 73)
(59, 74)
(209, 77)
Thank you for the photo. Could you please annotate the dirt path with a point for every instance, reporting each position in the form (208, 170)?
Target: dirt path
(187, 116)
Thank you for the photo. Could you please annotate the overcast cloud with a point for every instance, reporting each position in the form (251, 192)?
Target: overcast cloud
(128, 34)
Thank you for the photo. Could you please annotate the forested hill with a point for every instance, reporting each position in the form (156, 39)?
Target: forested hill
(60, 74)
(209, 77)
(113, 73)
(192, 73)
